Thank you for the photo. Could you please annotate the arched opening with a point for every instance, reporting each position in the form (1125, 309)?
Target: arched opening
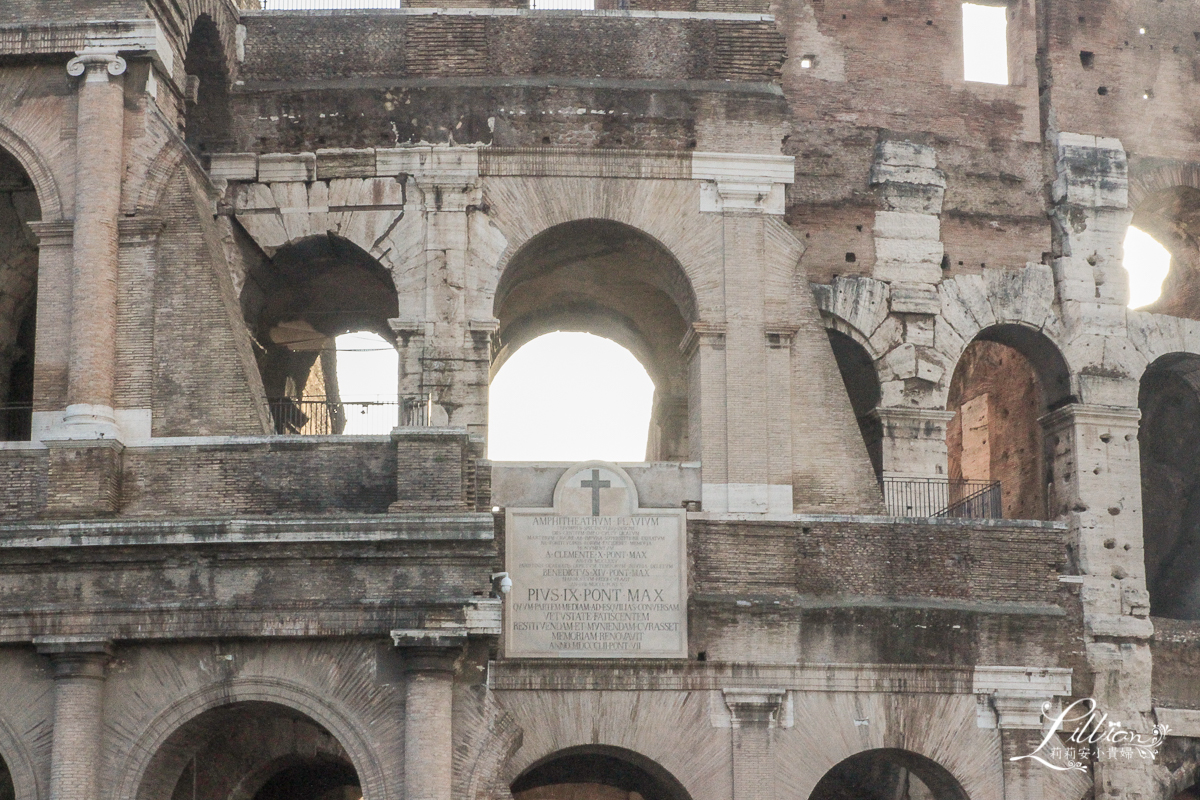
(1147, 263)
(542, 393)
(7, 790)
(597, 773)
(888, 774)
(207, 119)
(251, 751)
(18, 298)
(862, 386)
(298, 306)
(1169, 443)
(1005, 381)
(1170, 217)
(614, 281)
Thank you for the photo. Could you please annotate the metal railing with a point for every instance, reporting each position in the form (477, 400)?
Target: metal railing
(942, 497)
(317, 416)
(16, 422)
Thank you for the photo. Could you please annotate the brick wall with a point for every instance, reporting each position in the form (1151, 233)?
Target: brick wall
(283, 476)
(949, 561)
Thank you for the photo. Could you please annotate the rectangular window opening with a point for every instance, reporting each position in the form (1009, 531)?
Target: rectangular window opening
(985, 43)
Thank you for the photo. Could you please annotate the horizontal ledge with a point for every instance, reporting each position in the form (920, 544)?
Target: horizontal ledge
(879, 519)
(666, 675)
(713, 16)
(805, 602)
(523, 82)
(372, 528)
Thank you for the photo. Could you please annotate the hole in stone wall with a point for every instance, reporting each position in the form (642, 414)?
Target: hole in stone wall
(1103, 90)
(570, 397)
(851, 258)
(1087, 59)
(808, 62)
(1162, 257)
(985, 43)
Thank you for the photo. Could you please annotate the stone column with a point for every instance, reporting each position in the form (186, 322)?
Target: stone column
(1097, 489)
(429, 659)
(754, 713)
(79, 665)
(914, 441)
(99, 148)
(53, 335)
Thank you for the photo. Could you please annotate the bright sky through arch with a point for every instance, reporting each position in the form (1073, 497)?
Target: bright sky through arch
(1147, 263)
(985, 43)
(570, 397)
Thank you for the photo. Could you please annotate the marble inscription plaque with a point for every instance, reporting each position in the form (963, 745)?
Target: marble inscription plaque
(596, 576)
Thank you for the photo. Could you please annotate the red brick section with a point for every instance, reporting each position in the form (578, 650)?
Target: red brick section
(879, 559)
(84, 478)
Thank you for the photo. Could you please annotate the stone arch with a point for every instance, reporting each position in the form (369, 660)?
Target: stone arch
(224, 15)
(19, 262)
(614, 280)
(339, 722)
(48, 195)
(616, 768)
(887, 773)
(523, 208)
(208, 119)
(1007, 378)
(1165, 201)
(864, 389)
(309, 292)
(20, 767)
(158, 175)
(1169, 444)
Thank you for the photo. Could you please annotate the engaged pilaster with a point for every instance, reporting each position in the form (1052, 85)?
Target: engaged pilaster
(99, 150)
(754, 714)
(429, 661)
(79, 665)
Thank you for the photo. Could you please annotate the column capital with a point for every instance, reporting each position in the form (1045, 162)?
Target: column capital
(58, 233)
(708, 333)
(76, 656)
(430, 650)
(754, 707)
(1119, 416)
(101, 62)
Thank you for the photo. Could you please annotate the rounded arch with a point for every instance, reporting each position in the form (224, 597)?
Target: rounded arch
(1006, 379)
(608, 278)
(48, 195)
(18, 764)
(134, 774)
(1169, 448)
(312, 290)
(598, 765)
(863, 387)
(1165, 200)
(886, 774)
(208, 120)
